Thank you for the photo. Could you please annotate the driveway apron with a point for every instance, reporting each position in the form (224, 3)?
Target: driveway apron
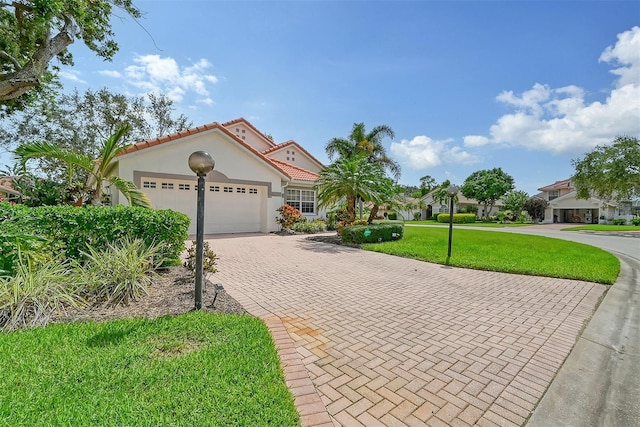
(372, 339)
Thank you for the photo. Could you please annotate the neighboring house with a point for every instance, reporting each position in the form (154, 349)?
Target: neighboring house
(565, 207)
(7, 192)
(461, 204)
(252, 177)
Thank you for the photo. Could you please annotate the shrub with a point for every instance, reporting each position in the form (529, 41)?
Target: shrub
(121, 272)
(636, 221)
(288, 216)
(392, 216)
(457, 218)
(435, 216)
(34, 293)
(619, 221)
(208, 259)
(74, 228)
(310, 227)
(373, 233)
(332, 221)
(417, 216)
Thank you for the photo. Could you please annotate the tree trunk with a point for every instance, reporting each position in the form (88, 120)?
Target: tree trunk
(16, 83)
(351, 207)
(374, 213)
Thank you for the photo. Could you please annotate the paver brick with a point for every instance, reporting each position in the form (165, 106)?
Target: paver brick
(476, 347)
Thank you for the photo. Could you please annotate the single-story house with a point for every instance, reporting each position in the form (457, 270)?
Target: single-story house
(461, 203)
(7, 192)
(252, 177)
(565, 207)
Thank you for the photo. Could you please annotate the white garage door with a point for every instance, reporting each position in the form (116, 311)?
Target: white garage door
(229, 208)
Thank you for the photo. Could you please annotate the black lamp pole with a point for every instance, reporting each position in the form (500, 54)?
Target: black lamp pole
(452, 191)
(201, 163)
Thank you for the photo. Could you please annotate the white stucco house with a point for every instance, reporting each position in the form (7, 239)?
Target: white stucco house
(252, 177)
(462, 203)
(565, 207)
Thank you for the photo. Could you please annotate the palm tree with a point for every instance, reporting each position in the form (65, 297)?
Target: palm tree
(370, 145)
(348, 178)
(99, 170)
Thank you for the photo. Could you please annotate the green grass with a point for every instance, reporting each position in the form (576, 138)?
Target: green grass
(196, 369)
(475, 224)
(603, 227)
(506, 252)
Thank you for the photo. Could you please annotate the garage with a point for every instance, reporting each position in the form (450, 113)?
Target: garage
(229, 208)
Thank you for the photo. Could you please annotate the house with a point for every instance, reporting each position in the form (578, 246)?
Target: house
(7, 192)
(252, 177)
(565, 207)
(461, 204)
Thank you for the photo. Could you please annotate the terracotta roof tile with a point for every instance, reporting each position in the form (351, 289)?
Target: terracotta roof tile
(565, 183)
(295, 172)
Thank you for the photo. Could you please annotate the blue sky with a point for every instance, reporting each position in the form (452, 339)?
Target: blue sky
(525, 86)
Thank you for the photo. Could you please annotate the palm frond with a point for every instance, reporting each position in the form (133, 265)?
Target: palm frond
(35, 150)
(133, 194)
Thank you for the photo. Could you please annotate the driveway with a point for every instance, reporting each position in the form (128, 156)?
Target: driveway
(382, 340)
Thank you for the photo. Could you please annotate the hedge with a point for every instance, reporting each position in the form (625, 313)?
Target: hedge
(373, 233)
(73, 228)
(457, 218)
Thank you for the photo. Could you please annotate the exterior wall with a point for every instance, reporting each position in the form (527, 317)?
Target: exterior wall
(234, 165)
(293, 155)
(249, 136)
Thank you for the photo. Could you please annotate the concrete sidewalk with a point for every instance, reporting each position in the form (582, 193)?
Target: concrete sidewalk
(370, 339)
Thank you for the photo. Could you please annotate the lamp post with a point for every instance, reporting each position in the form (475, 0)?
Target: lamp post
(201, 163)
(452, 190)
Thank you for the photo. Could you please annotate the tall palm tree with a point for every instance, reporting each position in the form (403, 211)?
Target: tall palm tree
(100, 170)
(368, 144)
(348, 178)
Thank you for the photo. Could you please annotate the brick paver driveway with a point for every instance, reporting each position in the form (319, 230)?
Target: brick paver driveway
(393, 341)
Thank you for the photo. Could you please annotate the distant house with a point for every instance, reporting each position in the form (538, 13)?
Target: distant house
(252, 177)
(7, 192)
(565, 207)
(461, 204)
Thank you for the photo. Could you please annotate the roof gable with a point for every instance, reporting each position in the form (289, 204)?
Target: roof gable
(294, 172)
(558, 185)
(245, 131)
(278, 152)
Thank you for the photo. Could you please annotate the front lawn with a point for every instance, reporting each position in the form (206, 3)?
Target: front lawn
(506, 252)
(603, 227)
(473, 224)
(198, 368)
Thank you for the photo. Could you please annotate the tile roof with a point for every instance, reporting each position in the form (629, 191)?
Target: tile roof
(288, 170)
(565, 183)
(294, 172)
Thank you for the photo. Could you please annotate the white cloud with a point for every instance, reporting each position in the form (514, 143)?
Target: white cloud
(423, 152)
(558, 119)
(111, 73)
(152, 73)
(71, 75)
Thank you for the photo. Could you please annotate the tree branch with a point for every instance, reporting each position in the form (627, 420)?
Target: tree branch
(11, 59)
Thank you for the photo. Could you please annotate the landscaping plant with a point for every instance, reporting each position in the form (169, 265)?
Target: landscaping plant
(288, 216)
(122, 272)
(34, 292)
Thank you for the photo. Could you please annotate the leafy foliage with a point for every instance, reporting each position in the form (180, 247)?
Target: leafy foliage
(372, 233)
(535, 207)
(288, 216)
(458, 218)
(310, 227)
(33, 32)
(80, 122)
(121, 272)
(75, 228)
(487, 186)
(609, 172)
(208, 258)
(515, 201)
(35, 291)
(99, 170)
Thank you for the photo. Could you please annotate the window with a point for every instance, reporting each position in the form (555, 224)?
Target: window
(228, 189)
(293, 159)
(148, 184)
(242, 136)
(553, 194)
(242, 130)
(241, 190)
(184, 186)
(167, 185)
(303, 200)
(253, 191)
(214, 188)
